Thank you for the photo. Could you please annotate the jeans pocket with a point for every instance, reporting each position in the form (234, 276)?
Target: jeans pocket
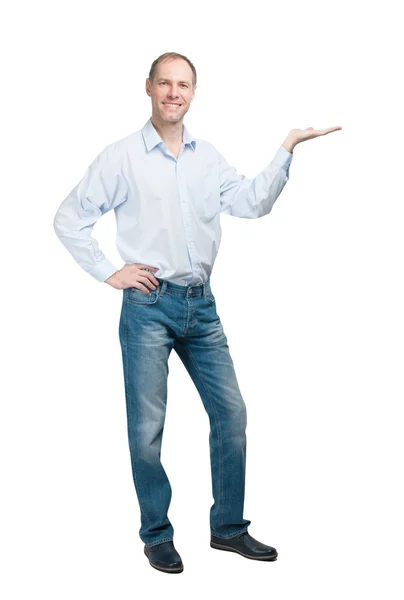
(136, 296)
(210, 297)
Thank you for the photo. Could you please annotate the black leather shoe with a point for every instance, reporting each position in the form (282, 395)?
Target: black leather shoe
(245, 545)
(164, 557)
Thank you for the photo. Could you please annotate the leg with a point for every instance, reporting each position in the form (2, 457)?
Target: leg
(206, 356)
(146, 346)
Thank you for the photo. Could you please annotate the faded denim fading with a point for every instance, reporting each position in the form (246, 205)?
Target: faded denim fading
(183, 318)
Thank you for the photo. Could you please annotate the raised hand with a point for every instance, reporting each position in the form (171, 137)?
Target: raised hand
(295, 136)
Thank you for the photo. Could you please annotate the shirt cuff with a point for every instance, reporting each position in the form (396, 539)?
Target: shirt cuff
(103, 270)
(283, 158)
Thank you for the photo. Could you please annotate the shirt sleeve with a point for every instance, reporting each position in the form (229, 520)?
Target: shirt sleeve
(101, 189)
(253, 198)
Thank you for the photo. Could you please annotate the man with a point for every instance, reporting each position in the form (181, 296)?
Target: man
(168, 189)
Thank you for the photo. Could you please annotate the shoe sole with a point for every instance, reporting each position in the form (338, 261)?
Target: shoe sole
(220, 547)
(168, 570)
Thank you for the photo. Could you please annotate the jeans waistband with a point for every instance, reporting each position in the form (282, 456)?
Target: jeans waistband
(199, 289)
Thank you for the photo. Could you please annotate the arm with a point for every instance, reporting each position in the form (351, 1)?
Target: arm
(101, 189)
(254, 198)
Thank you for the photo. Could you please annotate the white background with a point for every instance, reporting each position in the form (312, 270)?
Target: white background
(310, 297)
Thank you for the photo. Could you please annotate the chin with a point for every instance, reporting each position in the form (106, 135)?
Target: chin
(171, 119)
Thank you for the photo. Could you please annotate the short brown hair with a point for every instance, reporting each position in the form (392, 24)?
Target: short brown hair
(167, 56)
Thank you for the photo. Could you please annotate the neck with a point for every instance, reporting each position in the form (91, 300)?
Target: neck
(170, 133)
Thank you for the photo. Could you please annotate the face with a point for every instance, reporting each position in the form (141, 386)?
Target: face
(172, 84)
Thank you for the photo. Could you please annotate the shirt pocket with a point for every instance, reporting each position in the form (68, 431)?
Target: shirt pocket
(206, 192)
(208, 205)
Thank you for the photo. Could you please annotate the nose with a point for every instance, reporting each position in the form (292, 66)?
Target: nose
(173, 93)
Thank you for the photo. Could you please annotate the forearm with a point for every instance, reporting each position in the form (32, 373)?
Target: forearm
(253, 198)
(289, 143)
(78, 241)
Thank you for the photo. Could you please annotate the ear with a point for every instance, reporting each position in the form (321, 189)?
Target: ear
(148, 87)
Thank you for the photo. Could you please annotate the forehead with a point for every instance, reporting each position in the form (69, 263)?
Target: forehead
(177, 69)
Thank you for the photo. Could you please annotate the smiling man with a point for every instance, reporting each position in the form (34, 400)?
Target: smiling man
(168, 190)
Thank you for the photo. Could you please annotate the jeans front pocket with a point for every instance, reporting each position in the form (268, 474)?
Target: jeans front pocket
(136, 296)
(210, 297)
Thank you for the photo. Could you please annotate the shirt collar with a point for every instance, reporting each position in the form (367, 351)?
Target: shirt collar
(152, 138)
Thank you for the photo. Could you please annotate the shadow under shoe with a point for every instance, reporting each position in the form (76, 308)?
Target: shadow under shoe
(164, 557)
(245, 545)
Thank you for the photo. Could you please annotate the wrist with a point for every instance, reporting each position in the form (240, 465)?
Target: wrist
(115, 281)
(289, 143)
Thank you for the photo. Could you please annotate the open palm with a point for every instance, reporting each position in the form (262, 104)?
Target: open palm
(301, 135)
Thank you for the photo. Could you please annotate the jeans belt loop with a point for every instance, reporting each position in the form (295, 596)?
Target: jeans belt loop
(163, 287)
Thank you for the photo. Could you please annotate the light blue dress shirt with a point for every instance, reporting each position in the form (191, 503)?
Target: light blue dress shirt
(167, 209)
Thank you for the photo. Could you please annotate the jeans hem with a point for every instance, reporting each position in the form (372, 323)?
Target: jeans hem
(231, 535)
(169, 539)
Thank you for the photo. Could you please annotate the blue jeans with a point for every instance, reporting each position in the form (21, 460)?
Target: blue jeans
(183, 318)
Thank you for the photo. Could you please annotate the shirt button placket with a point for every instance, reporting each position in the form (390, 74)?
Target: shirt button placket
(186, 217)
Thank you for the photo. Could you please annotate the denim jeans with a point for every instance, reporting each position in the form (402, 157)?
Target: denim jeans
(183, 318)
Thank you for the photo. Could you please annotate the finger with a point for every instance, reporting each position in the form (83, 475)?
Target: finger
(148, 282)
(324, 131)
(141, 287)
(147, 267)
(152, 277)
